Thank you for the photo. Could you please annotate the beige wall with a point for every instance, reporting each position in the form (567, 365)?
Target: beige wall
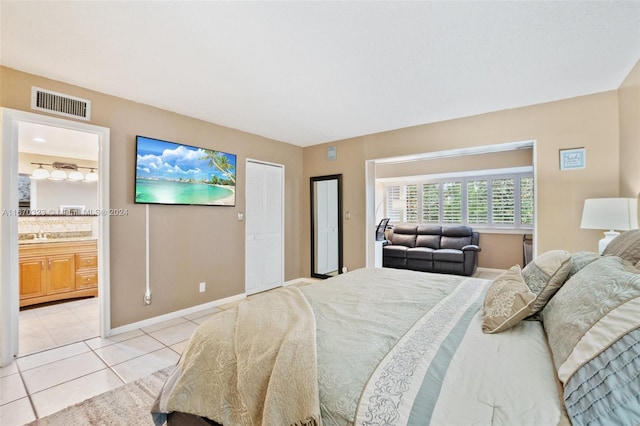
(588, 121)
(193, 244)
(629, 105)
(189, 244)
(495, 160)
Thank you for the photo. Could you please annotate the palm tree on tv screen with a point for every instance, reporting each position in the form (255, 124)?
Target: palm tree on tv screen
(221, 162)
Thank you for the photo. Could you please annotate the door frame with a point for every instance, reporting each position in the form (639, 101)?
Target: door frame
(282, 218)
(9, 275)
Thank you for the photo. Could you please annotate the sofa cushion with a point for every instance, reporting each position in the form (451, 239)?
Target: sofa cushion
(395, 251)
(404, 235)
(457, 231)
(424, 253)
(430, 241)
(456, 237)
(507, 301)
(429, 236)
(448, 255)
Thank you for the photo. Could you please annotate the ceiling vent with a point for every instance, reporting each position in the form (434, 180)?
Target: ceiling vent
(59, 103)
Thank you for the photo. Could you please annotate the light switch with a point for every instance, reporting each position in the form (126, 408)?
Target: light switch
(240, 215)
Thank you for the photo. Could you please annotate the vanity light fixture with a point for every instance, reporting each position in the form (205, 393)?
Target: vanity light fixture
(40, 173)
(91, 176)
(60, 172)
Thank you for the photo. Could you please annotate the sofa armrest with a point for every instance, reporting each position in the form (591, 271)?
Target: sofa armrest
(471, 247)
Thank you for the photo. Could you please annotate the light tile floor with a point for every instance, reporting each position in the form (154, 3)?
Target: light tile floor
(49, 380)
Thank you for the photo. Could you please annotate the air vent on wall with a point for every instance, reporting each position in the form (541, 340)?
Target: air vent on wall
(59, 103)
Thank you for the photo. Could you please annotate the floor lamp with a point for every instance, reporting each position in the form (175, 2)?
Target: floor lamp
(614, 214)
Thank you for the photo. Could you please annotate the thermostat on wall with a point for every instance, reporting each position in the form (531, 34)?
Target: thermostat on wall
(332, 153)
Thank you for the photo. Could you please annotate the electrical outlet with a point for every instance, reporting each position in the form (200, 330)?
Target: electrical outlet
(203, 287)
(147, 298)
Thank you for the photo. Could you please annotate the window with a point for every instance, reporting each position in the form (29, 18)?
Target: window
(477, 202)
(431, 203)
(502, 201)
(393, 193)
(452, 202)
(411, 208)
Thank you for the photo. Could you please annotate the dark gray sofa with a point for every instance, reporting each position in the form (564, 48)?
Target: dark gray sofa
(432, 248)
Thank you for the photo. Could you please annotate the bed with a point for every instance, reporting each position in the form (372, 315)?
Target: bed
(553, 344)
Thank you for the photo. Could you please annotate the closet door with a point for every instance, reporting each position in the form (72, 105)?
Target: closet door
(264, 259)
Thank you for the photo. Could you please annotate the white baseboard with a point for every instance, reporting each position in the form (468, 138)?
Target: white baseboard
(177, 314)
(479, 269)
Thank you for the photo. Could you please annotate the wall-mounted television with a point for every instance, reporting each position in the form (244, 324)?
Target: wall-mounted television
(173, 173)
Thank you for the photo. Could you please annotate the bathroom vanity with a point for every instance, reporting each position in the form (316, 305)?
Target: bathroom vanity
(57, 269)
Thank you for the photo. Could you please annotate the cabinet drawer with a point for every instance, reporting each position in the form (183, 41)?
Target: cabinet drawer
(86, 279)
(86, 260)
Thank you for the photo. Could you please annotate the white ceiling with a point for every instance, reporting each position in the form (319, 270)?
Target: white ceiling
(58, 142)
(313, 72)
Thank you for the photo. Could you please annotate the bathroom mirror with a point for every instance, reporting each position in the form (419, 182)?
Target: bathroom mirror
(326, 226)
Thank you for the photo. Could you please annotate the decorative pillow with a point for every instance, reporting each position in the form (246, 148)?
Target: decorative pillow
(546, 274)
(507, 302)
(626, 246)
(579, 260)
(592, 326)
(591, 311)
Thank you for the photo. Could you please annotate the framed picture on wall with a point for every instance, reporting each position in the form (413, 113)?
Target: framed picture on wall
(571, 159)
(24, 188)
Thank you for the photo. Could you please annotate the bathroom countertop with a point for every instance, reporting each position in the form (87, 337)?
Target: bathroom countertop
(55, 240)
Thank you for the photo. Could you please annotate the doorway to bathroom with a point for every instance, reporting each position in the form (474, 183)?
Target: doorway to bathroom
(55, 290)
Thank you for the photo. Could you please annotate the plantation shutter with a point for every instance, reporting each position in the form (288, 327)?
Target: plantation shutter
(452, 202)
(411, 208)
(503, 201)
(393, 193)
(526, 201)
(477, 202)
(431, 203)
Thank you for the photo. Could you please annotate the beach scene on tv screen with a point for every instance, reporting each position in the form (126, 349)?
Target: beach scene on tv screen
(171, 173)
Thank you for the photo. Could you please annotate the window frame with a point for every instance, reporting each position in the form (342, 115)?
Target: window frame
(464, 180)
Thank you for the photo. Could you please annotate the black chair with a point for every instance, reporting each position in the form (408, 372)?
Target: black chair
(382, 226)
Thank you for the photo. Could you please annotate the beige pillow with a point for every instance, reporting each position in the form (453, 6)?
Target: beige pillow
(546, 274)
(626, 246)
(507, 302)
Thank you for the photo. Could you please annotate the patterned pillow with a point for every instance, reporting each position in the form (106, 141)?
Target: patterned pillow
(581, 259)
(626, 246)
(507, 302)
(590, 325)
(546, 274)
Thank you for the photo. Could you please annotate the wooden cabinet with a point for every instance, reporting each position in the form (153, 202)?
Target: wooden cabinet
(57, 270)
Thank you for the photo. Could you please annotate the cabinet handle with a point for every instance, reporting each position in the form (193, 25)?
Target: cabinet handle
(42, 265)
(49, 264)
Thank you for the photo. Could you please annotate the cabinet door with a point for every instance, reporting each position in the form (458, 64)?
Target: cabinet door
(61, 273)
(32, 277)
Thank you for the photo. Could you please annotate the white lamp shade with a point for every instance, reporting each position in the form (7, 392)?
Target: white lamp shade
(91, 176)
(75, 175)
(40, 173)
(58, 175)
(610, 213)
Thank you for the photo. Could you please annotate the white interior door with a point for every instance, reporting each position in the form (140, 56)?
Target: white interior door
(264, 216)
